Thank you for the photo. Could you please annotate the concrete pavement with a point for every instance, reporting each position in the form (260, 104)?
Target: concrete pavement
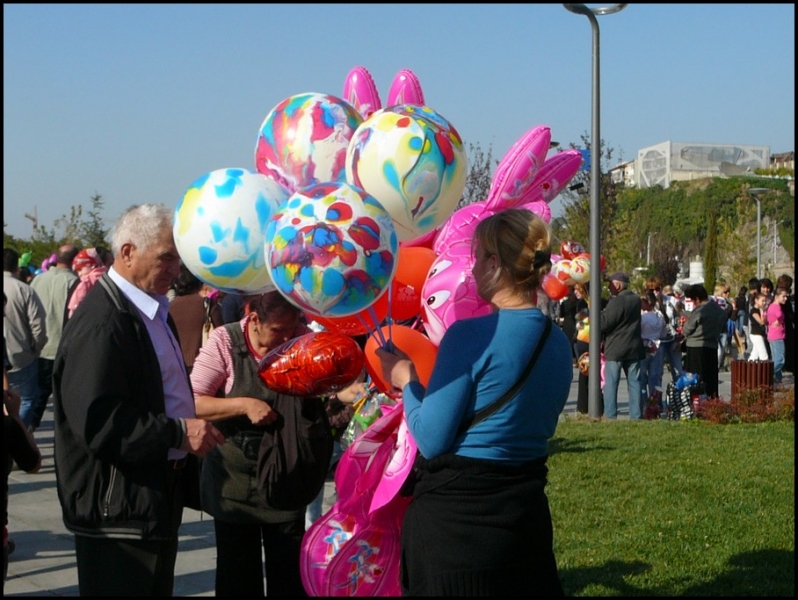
(43, 563)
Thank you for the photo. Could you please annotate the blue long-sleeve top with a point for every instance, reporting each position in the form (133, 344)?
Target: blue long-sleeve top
(478, 360)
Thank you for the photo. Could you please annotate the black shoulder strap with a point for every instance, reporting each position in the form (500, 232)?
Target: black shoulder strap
(487, 411)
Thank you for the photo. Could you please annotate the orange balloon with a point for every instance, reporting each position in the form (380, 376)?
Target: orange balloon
(353, 325)
(415, 344)
(412, 266)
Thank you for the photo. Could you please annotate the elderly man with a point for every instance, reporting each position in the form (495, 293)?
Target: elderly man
(125, 426)
(623, 346)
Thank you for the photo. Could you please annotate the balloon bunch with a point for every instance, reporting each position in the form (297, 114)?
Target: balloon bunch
(337, 185)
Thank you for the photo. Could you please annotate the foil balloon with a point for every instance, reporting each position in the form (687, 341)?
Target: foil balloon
(314, 364)
(583, 326)
(583, 362)
(554, 174)
(413, 161)
(554, 287)
(461, 225)
(361, 92)
(563, 271)
(517, 171)
(450, 292)
(540, 207)
(303, 140)
(405, 89)
(580, 269)
(570, 249)
(220, 229)
(332, 249)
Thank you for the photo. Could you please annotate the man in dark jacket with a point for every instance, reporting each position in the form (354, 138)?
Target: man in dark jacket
(124, 417)
(701, 333)
(623, 346)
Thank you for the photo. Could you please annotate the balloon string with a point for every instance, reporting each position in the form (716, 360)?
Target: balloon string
(371, 331)
(389, 345)
(378, 329)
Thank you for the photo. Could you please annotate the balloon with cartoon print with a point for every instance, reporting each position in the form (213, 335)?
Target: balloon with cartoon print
(412, 160)
(450, 292)
(303, 140)
(220, 229)
(331, 249)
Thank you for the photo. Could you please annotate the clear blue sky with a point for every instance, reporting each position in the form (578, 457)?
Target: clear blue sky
(135, 101)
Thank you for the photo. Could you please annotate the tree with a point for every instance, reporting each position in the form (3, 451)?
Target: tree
(479, 177)
(92, 231)
(711, 253)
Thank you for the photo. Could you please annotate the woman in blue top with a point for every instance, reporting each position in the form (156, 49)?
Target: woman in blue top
(479, 523)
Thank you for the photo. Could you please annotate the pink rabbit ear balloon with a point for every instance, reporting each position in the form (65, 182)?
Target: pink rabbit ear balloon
(553, 175)
(361, 92)
(405, 89)
(517, 170)
(303, 140)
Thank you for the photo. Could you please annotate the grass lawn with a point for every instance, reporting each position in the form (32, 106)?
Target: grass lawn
(671, 508)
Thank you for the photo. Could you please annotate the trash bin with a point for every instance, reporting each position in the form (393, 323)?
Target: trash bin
(751, 375)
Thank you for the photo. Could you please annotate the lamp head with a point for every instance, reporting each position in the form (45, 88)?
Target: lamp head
(583, 9)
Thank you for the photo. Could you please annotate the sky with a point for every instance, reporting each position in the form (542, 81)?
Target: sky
(134, 102)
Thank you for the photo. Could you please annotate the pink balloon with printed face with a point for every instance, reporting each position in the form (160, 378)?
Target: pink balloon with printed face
(361, 92)
(450, 292)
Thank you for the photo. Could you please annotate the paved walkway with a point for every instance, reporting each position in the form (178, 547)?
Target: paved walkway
(43, 563)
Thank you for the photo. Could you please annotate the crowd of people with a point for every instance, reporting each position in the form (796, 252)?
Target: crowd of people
(686, 330)
(158, 405)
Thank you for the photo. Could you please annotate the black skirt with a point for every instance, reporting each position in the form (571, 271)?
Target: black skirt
(477, 528)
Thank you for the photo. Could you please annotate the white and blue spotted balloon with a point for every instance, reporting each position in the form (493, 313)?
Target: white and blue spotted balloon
(220, 229)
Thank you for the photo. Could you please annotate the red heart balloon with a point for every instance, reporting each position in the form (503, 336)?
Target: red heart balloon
(314, 364)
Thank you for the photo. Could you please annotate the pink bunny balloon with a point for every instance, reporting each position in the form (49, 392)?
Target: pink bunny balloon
(450, 292)
(405, 89)
(524, 178)
(361, 92)
(518, 169)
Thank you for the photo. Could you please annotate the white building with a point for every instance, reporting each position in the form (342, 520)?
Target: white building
(682, 161)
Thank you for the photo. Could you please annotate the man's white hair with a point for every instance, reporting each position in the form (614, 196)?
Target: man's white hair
(141, 225)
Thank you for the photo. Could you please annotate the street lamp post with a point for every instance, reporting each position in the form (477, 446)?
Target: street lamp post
(594, 349)
(648, 247)
(755, 192)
